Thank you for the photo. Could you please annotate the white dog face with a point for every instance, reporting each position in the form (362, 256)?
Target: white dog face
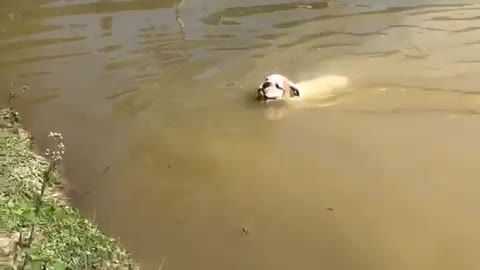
(277, 87)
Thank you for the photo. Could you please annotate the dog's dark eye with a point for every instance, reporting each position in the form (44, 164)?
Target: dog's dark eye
(266, 84)
(277, 86)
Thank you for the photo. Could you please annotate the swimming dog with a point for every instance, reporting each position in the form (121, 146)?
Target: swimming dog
(277, 87)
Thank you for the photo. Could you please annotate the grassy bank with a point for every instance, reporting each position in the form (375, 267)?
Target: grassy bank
(31, 201)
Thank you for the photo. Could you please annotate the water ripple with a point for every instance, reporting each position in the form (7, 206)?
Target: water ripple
(388, 53)
(246, 48)
(310, 37)
(75, 8)
(272, 36)
(33, 43)
(217, 17)
(383, 11)
(377, 54)
(467, 61)
(476, 42)
(447, 18)
(410, 110)
(468, 29)
(434, 89)
(35, 59)
(110, 48)
(220, 36)
(333, 45)
(122, 93)
(428, 12)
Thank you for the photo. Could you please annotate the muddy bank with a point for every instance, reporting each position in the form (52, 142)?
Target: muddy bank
(31, 201)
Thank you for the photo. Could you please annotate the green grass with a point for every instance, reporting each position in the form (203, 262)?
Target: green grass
(62, 239)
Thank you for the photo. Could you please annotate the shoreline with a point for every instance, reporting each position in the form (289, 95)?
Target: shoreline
(31, 200)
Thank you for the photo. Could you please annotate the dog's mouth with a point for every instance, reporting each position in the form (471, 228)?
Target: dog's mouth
(262, 95)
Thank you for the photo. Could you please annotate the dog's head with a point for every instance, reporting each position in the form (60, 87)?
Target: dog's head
(276, 87)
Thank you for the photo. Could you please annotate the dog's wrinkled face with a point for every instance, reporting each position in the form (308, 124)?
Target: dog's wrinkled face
(276, 87)
(272, 88)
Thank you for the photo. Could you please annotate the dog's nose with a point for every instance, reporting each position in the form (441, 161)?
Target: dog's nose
(261, 92)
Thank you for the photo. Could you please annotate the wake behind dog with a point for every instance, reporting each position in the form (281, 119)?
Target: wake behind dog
(321, 90)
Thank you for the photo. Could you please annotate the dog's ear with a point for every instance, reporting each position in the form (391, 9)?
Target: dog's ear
(294, 89)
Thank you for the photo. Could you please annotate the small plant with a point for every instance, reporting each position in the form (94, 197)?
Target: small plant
(54, 156)
(13, 115)
(14, 92)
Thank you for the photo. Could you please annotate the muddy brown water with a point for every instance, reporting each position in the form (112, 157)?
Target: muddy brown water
(166, 151)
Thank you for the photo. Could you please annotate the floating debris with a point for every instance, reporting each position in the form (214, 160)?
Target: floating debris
(106, 169)
(162, 264)
(245, 230)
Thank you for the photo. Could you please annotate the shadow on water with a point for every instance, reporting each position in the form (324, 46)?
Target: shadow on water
(168, 150)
